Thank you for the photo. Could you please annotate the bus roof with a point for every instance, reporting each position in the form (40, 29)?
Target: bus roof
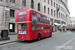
(33, 10)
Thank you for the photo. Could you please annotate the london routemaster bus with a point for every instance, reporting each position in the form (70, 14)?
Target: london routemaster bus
(32, 24)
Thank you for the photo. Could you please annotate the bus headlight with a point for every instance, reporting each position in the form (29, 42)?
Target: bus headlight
(22, 37)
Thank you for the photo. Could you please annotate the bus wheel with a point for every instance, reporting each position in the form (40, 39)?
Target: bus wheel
(50, 34)
(39, 37)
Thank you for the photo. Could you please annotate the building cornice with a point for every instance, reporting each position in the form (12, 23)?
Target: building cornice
(65, 6)
(10, 5)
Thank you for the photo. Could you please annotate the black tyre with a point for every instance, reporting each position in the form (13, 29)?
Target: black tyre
(39, 37)
(50, 34)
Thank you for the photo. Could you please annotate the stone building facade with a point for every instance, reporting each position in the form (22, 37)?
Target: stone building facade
(58, 12)
(56, 9)
(72, 22)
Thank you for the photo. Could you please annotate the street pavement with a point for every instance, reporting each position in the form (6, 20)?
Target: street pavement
(13, 38)
(59, 41)
(70, 45)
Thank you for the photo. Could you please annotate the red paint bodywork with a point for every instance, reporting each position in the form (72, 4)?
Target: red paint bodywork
(30, 34)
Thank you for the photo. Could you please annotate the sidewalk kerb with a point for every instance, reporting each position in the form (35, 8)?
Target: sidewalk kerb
(8, 42)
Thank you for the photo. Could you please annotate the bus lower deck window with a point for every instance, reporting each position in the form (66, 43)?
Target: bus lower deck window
(38, 27)
(45, 27)
(23, 26)
(42, 27)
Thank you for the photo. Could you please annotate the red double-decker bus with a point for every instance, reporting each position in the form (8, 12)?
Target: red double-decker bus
(32, 24)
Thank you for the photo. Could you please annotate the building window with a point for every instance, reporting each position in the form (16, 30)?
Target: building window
(63, 16)
(59, 15)
(38, 6)
(51, 12)
(23, 2)
(13, 1)
(44, 0)
(44, 9)
(32, 4)
(59, 6)
(48, 10)
(12, 12)
(54, 4)
(51, 2)
(0, 0)
(54, 12)
(48, 1)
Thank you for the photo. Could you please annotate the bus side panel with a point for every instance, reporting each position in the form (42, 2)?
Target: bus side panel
(29, 30)
(48, 31)
(42, 31)
(34, 34)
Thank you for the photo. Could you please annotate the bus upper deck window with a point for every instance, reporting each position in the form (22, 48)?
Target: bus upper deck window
(41, 16)
(33, 13)
(47, 18)
(38, 14)
(22, 12)
(44, 17)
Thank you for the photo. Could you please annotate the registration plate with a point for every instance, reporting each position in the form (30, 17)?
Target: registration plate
(22, 32)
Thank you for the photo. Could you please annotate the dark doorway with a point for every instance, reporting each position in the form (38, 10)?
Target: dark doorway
(11, 27)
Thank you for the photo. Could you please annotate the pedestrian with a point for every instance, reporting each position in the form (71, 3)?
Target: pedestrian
(60, 29)
(63, 29)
